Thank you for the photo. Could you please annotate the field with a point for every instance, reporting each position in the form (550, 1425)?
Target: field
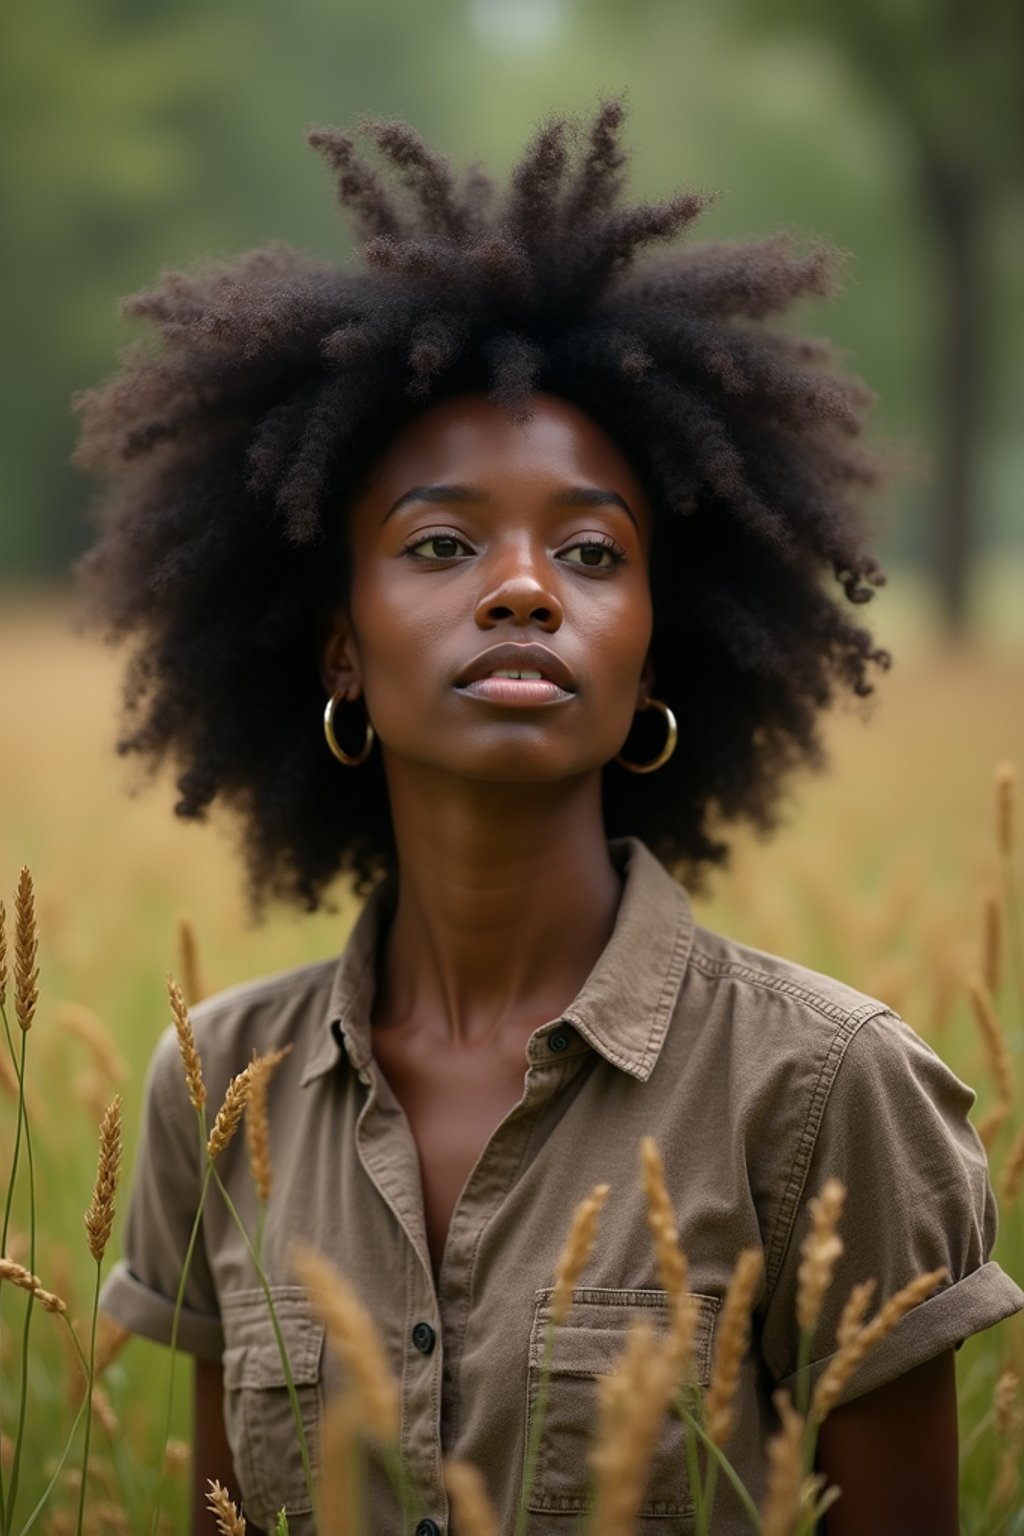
(877, 877)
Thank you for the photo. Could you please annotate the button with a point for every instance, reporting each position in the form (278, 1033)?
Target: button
(428, 1528)
(424, 1338)
(558, 1041)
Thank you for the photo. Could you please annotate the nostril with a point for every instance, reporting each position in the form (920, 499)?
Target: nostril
(500, 613)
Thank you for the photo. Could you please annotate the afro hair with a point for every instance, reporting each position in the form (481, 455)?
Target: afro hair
(230, 443)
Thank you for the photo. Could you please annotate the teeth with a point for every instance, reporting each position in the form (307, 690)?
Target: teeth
(520, 673)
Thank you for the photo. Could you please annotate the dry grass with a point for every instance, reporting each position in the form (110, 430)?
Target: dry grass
(187, 1045)
(99, 1217)
(26, 942)
(819, 1253)
(257, 1124)
(229, 1116)
(576, 1252)
(859, 1341)
(353, 1337)
(632, 1402)
(732, 1338)
(224, 1511)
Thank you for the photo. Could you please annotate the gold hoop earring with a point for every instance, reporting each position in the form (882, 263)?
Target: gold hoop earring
(671, 738)
(332, 741)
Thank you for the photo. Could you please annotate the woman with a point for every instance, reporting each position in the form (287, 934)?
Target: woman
(513, 500)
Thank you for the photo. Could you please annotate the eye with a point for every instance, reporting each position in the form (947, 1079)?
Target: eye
(438, 546)
(596, 554)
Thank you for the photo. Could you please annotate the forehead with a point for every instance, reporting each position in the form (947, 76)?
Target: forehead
(471, 439)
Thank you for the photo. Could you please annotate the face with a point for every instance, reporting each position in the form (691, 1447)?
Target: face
(500, 613)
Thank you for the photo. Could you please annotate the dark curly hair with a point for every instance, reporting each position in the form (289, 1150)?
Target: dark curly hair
(232, 445)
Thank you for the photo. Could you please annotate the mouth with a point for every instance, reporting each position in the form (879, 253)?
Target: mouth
(517, 675)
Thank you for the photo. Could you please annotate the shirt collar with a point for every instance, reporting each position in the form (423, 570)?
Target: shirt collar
(622, 1010)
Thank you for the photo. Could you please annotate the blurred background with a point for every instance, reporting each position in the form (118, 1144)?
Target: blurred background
(139, 134)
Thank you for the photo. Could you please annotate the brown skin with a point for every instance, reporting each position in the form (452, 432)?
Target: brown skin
(498, 824)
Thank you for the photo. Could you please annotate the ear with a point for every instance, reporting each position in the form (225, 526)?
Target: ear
(340, 669)
(646, 684)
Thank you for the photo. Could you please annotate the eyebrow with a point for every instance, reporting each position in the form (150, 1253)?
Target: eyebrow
(574, 496)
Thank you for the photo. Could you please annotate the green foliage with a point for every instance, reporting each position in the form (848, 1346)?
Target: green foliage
(140, 136)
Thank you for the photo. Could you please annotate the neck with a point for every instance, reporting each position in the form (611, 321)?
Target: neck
(506, 898)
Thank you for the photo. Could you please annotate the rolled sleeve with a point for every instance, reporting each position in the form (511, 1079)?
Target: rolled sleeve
(141, 1290)
(142, 1310)
(895, 1132)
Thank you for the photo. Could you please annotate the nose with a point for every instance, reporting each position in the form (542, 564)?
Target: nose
(519, 596)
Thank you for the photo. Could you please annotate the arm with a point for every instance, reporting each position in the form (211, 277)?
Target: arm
(894, 1454)
(211, 1454)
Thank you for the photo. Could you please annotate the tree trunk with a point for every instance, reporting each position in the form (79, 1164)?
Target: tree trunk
(955, 203)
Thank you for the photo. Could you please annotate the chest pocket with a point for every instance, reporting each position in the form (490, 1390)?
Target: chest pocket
(586, 1346)
(257, 1411)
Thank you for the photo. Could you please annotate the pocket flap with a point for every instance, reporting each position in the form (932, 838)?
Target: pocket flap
(252, 1354)
(596, 1331)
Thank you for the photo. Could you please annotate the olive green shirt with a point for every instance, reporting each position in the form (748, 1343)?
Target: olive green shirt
(757, 1079)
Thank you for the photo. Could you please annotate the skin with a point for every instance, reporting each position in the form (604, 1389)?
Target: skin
(498, 825)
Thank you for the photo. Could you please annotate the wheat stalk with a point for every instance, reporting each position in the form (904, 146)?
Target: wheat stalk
(576, 1252)
(471, 1506)
(1013, 1168)
(26, 974)
(194, 985)
(782, 1502)
(18, 1275)
(50, 1302)
(111, 1337)
(257, 1124)
(991, 939)
(338, 1491)
(820, 1251)
(224, 1511)
(354, 1338)
(230, 1113)
(997, 1050)
(671, 1261)
(177, 1455)
(852, 1315)
(1004, 1401)
(849, 1356)
(632, 1402)
(99, 1217)
(732, 1338)
(661, 1221)
(187, 1045)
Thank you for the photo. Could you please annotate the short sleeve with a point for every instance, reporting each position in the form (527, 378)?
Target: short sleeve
(140, 1291)
(895, 1131)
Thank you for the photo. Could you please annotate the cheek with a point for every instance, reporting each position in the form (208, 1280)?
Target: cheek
(398, 631)
(626, 641)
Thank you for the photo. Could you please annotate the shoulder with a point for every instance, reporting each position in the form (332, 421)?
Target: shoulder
(767, 987)
(800, 1063)
(791, 1011)
(777, 1030)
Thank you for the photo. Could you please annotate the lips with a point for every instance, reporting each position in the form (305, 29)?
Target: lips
(518, 658)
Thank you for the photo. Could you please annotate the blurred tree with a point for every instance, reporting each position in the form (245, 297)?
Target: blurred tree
(950, 75)
(139, 135)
